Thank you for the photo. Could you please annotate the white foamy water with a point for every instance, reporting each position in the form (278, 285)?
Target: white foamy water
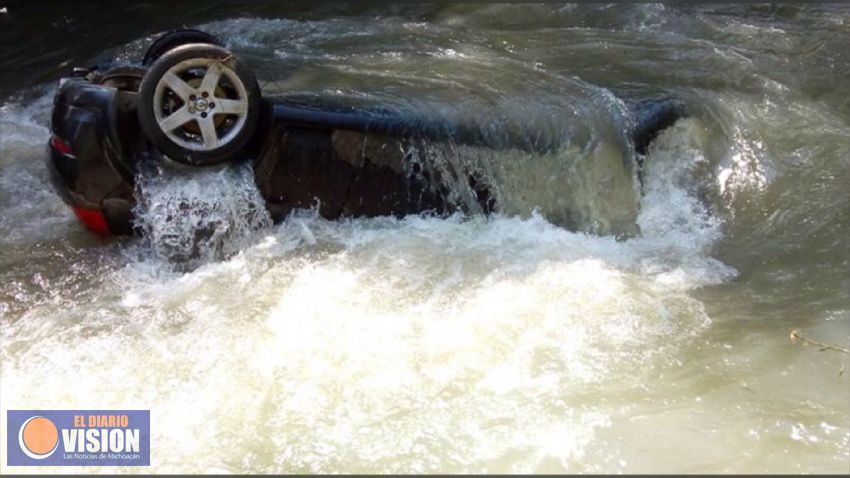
(188, 218)
(464, 344)
(410, 338)
(23, 136)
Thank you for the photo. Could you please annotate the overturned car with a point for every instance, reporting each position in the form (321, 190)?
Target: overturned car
(194, 104)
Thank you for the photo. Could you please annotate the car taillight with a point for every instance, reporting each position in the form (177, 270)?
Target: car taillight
(93, 219)
(60, 146)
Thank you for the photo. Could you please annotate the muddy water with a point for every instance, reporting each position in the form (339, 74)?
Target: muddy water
(500, 344)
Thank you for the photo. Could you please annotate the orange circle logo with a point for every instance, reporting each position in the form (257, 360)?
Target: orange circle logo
(38, 437)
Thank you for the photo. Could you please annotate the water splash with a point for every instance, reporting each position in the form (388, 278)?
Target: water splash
(194, 217)
(23, 136)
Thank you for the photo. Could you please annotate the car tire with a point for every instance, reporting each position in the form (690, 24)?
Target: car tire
(174, 39)
(199, 105)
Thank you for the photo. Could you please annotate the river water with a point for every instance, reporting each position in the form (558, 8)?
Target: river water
(464, 344)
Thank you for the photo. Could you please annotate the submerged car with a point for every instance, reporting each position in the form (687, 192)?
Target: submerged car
(192, 103)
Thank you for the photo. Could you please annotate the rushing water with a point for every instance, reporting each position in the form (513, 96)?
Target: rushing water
(501, 344)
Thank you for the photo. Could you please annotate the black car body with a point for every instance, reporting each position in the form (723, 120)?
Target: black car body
(351, 161)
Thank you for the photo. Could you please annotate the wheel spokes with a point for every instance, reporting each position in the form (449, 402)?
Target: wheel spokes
(234, 107)
(211, 78)
(208, 132)
(198, 124)
(183, 89)
(176, 119)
